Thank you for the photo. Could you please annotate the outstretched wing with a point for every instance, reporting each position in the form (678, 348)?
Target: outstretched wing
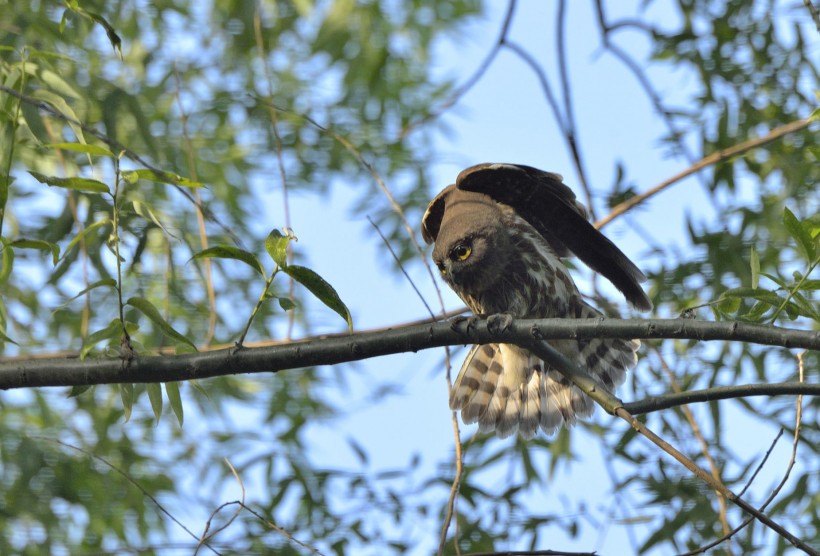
(551, 208)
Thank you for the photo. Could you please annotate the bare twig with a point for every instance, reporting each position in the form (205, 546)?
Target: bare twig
(280, 159)
(205, 536)
(704, 447)
(128, 478)
(815, 14)
(705, 477)
(705, 162)
(570, 130)
(279, 530)
(779, 487)
(472, 80)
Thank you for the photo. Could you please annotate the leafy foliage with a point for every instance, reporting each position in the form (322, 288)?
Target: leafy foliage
(134, 142)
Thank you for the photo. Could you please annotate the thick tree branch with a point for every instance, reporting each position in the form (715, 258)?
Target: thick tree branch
(341, 349)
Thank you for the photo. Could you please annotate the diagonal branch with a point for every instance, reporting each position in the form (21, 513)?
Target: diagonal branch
(714, 158)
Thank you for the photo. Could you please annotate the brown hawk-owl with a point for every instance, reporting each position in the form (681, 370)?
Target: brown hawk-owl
(499, 233)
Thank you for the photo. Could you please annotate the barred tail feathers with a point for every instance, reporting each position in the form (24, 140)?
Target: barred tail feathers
(506, 389)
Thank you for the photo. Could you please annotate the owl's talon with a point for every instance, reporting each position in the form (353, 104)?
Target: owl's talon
(457, 321)
(499, 323)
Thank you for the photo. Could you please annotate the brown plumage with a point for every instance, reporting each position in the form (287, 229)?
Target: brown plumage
(499, 232)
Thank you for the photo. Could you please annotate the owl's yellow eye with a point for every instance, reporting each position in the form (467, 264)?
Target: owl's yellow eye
(441, 268)
(461, 252)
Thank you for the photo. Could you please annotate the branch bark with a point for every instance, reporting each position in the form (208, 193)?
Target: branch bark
(341, 349)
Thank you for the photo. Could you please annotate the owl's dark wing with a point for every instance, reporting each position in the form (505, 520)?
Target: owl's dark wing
(431, 221)
(550, 207)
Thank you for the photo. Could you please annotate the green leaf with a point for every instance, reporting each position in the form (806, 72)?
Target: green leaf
(323, 291)
(85, 231)
(800, 234)
(40, 245)
(172, 391)
(155, 395)
(145, 211)
(80, 184)
(63, 108)
(7, 260)
(127, 395)
(277, 246)
(132, 176)
(4, 338)
(286, 303)
(147, 308)
(105, 282)
(230, 252)
(85, 148)
(77, 390)
(112, 330)
(730, 304)
(754, 263)
(760, 294)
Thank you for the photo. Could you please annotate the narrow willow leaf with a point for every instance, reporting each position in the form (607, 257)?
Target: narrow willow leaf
(754, 263)
(40, 245)
(4, 338)
(112, 35)
(7, 262)
(77, 390)
(80, 184)
(127, 395)
(145, 211)
(230, 252)
(132, 176)
(800, 234)
(760, 294)
(174, 399)
(104, 283)
(730, 304)
(82, 234)
(112, 330)
(86, 148)
(277, 246)
(63, 108)
(155, 395)
(323, 291)
(147, 308)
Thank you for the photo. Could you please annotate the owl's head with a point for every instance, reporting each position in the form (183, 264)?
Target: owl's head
(472, 245)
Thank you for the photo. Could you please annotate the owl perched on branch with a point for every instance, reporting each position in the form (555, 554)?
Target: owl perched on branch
(499, 233)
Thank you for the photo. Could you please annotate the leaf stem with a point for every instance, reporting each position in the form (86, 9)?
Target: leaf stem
(259, 302)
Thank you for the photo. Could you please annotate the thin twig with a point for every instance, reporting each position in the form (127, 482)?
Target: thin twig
(471, 81)
(280, 159)
(205, 536)
(401, 267)
(705, 162)
(779, 487)
(280, 530)
(705, 477)
(130, 479)
(704, 447)
(200, 216)
(544, 82)
(571, 130)
(815, 14)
